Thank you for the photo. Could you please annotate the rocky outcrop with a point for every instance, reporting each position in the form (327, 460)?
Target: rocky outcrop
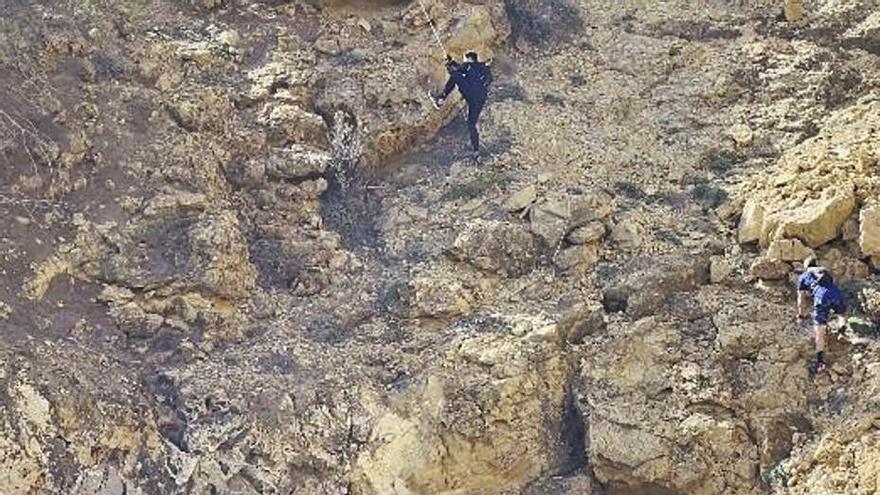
(814, 187)
(492, 417)
(699, 399)
(239, 257)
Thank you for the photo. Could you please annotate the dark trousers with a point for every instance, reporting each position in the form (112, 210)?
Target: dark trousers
(475, 106)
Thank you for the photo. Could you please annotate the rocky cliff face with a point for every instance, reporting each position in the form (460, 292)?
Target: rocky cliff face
(244, 254)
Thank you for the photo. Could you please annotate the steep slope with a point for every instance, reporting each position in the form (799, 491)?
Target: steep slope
(245, 255)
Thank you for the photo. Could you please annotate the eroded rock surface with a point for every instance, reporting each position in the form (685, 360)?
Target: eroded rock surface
(243, 253)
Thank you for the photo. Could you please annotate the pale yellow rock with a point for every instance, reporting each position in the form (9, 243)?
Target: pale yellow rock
(441, 295)
(769, 269)
(815, 222)
(475, 31)
(472, 426)
(794, 10)
(840, 159)
(21, 473)
(869, 230)
(788, 250)
(33, 407)
(521, 199)
(867, 461)
(230, 37)
(741, 134)
(751, 221)
(292, 123)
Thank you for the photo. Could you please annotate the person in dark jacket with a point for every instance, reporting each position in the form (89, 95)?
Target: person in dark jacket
(472, 78)
(816, 282)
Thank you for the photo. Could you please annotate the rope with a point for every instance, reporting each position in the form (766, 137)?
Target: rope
(433, 29)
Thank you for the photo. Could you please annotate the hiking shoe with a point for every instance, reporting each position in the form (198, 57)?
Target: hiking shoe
(817, 367)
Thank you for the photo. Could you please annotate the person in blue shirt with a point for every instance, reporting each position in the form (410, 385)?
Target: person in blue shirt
(817, 284)
(472, 78)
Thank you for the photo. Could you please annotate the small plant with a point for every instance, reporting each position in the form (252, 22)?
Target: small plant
(629, 190)
(722, 160)
(476, 187)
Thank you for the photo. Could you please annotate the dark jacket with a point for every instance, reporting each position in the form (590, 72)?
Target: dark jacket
(472, 79)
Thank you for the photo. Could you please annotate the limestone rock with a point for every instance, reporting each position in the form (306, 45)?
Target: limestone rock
(582, 321)
(869, 231)
(521, 199)
(793, 10)
(741, 134)
(703, 452)
(849, 231)
(440, 295)
(578, 257)
(477, 30)
(550, 220)
(471, 423)
(870, 300)
(627, 234)
(202, 110)
(751, 221)
(788, 250)
(767, 268)
(812, 182)
(649, 283)
(290, 123)
(720, 269)
(499, 247)
(595, 205)
(587, 234)
(297, 162)
(842, 266)
(221, 254)
(815, 222)
(187, 252)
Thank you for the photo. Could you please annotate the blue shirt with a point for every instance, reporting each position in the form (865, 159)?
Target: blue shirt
(806, 281)
(826, 296)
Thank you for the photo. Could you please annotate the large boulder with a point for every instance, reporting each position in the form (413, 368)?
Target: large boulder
(814, 222)
(206, 253)
(297, 162)
(290, 123)
(767, 268)
(644, 437)
(439, 293)
(503, 248)
(650, 282)
(491, 418)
